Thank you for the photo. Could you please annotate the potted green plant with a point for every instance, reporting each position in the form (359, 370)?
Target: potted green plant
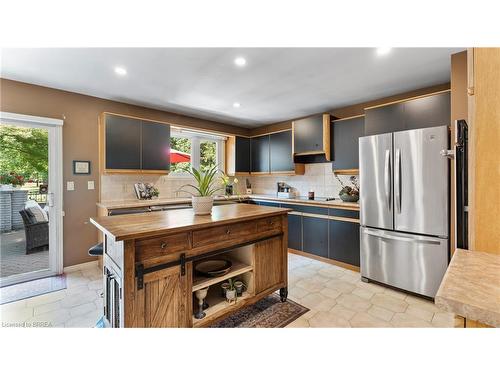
(349, 193)
(231, 291)
(205, 187)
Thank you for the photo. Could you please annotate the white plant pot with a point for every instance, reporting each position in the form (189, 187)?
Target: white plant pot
(202, 205)
(231, 295)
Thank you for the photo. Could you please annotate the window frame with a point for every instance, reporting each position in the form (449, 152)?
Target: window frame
(196, 138)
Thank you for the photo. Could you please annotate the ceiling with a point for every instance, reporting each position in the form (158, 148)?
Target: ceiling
(276, 84)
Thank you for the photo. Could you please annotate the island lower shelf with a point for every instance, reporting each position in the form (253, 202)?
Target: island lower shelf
(151, 282)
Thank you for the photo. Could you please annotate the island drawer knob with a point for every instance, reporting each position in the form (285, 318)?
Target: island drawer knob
(228, 232)
(163, 245)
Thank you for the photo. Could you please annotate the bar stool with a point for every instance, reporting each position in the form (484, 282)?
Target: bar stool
(95, 251)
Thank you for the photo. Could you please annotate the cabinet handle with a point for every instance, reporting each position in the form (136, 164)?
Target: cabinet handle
(163, 245)
(270, 222)
(228, 232)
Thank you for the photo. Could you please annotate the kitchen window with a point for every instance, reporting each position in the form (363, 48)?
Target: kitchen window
(195, 149)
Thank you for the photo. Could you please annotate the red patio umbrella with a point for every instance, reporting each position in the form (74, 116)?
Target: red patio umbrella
(179, 156)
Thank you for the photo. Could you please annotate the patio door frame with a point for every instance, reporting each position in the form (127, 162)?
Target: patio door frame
(55, 193)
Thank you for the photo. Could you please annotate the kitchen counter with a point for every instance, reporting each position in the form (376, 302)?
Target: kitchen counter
(136, 203)
(133, 226)
(307, 202)
(471, 287)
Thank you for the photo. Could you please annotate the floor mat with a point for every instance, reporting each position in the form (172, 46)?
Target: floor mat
(32, 288)
(269, 312)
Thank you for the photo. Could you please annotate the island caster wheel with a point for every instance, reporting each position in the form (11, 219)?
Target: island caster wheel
(283, 294)
(364, 279)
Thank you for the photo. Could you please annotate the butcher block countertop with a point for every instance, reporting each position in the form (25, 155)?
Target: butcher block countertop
(471, 287)
(126, 227)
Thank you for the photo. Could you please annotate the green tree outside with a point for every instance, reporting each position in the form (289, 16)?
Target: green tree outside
(25, 152)
(208, 153)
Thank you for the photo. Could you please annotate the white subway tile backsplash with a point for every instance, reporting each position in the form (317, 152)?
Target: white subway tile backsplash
(317, 177)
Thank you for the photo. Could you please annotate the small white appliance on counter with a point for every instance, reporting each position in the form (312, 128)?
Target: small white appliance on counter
(404, 209)
(285, 190)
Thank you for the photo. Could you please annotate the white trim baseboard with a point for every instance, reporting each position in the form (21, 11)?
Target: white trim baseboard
(81, 266)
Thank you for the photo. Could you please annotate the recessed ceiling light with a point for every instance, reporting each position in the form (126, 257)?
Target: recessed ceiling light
(236, 105)
(240, 61)
(383, 51)
(121, 71)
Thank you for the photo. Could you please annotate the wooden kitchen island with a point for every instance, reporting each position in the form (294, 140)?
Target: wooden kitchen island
(149, 280)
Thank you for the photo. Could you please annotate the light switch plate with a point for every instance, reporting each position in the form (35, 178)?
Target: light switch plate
(70, 185)
(90, 185)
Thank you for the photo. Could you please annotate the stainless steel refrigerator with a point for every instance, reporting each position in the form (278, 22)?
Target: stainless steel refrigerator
(404, 209)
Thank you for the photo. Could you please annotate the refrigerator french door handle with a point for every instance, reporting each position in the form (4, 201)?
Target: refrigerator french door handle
(387, 178)
(397, 180)
(404, 239)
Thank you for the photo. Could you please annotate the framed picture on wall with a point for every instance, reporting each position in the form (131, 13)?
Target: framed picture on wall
(81, 167)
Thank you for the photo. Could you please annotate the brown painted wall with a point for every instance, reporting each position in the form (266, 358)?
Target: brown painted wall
(356, 109)
(80, 114)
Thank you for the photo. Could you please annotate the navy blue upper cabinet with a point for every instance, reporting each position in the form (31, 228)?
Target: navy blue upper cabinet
(260, 154)
(122, 142)
(238, 155)
(428, 111)
(386, 119)
(425, 112)
(132, 144)
(242, 154)
(311, 136)
(281, 152)
(346, 135)
(155, 146)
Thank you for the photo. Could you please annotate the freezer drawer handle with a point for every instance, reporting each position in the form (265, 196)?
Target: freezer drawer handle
(404, 239)
(387, 181)
(397, 180)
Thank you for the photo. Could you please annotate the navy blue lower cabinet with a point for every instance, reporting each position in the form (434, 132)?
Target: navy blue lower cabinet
(344, 242)
(294, 232)
(315, 236)
(270, 204)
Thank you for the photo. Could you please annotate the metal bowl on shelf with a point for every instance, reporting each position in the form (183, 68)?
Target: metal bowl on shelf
(213, 267)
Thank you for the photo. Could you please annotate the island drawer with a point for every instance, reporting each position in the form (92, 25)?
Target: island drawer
(159, 246)
(223, 233)
(269, 223)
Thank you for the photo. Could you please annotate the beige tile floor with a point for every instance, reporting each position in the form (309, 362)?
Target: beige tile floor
(335, 296)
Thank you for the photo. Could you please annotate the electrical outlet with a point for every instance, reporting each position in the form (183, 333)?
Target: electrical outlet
(70, 185)
(90, 185)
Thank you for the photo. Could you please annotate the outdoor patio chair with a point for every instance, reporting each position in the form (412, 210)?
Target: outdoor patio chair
(37, 232)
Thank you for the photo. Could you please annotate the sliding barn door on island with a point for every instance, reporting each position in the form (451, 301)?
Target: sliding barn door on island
(165, 299)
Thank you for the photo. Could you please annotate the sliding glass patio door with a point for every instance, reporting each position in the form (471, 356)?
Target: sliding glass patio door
(30, 198)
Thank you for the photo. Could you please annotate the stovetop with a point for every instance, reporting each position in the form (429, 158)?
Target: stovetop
(318, 199)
